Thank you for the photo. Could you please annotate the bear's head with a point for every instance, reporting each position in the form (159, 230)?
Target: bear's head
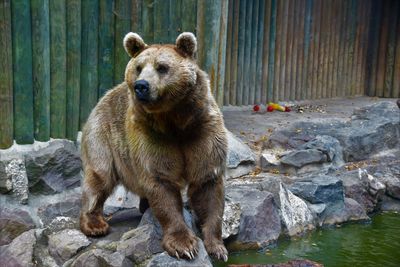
(160, 76)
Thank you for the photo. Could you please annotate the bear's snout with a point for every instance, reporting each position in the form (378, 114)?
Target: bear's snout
(142, 90)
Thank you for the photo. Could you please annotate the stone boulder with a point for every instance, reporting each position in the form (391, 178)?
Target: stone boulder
(16, 179)
(240, 159)
(67, 243)
(164, 260)
(68, 205)
(350, 211)
(100, 258)
(19, 253)
(13, 222)
(140, 243)
(260, 223)
(54, 168)
(319, 189)
(371, 129)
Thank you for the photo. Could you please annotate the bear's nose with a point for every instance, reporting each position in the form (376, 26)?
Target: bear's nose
(142, 90)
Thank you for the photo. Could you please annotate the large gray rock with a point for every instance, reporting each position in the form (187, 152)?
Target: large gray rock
(260, 223)
(5, 179)
(231, 219)
(54, 168)
(67, 207)
(164, 260)
(295, 213)
(100, 258)
(320, 189)
(140, 243)
(299, 158)
(19, 253)
(15, 170)
(66, 244)
(240, 159)
(350, 211)
(363, 188)
(13, 222)
(371, 129)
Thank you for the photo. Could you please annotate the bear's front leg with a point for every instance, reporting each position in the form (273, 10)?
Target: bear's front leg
(207, 200)
(166, 203)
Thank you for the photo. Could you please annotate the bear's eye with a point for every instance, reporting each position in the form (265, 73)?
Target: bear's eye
(138, 69)
(162, 68)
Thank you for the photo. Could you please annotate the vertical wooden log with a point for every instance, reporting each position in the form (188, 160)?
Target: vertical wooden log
(241, 50)
(396, 75)
(383, 40)
(209, 29)
(247, 52)
(136, 17)
(336, 44)
(351, 51)
(330, 48)
(6, 77)
(259, 57)
(366, 5)
(278, 48)
(327, 21)
(58, 69)
(282, 69)
(73, 66)
(316, 57)
(289, 49)
(89, 62)
(301, 47)
(22, 70)
(342, 49)
(221, 53)
(161, 21)
(41, 68)
(357, 49)
(228, 52)
(373, 47)
(308, 50)
(320, 53)
(266, 50)
(253, 55)
(148, 21)
(391, 46)
(106, 46)
(175, 20)
(189, 15)
(235, 51)
(122, 10)
(297, 32)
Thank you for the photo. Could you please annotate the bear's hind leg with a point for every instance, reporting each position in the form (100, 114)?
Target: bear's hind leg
(166, 204)
(207, 200)
(96, 190)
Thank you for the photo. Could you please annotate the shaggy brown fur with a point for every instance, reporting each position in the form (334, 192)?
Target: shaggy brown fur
(158, 147)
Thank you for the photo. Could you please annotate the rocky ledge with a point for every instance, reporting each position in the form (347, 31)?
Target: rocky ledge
(308, 175)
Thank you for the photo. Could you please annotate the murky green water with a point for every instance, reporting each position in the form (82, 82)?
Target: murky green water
(367, 244)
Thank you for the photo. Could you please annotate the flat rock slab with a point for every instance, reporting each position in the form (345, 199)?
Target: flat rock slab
(100, 258)
(19, 253)
(164, 260)
(66, 244)
(13, 222)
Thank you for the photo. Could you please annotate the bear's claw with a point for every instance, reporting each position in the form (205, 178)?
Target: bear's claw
(181, 245)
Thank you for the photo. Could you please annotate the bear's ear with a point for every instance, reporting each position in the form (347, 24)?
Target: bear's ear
(187, 43)
(133, 44)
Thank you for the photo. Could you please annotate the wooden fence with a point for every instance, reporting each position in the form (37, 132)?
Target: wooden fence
(58, 57)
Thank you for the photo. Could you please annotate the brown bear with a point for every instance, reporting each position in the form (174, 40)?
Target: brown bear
(156, 133)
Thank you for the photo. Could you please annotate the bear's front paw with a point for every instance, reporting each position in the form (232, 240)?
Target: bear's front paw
(181, 244)
(93, 224)
(216, 249)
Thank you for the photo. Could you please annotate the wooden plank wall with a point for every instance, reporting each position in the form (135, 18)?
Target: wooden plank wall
(311, 49)
(57, 58)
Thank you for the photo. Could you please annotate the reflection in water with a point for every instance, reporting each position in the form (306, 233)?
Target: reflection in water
(367, 244)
